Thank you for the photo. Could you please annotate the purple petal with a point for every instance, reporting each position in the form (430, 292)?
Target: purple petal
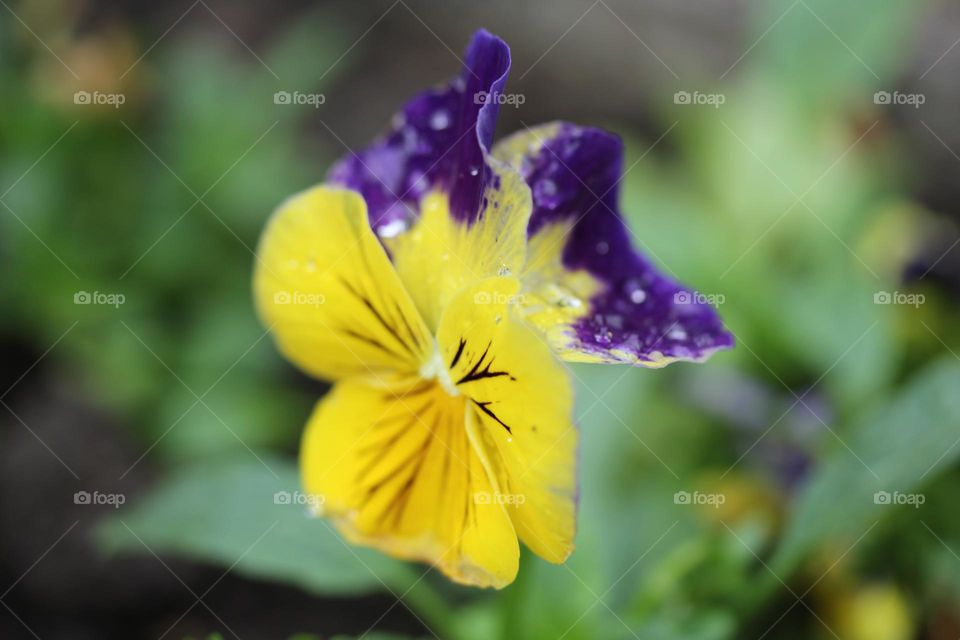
(641, 315)
(439, 139)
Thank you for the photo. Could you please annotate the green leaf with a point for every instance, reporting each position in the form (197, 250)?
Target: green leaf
(837, 47)
(896, 448)
(225, 512)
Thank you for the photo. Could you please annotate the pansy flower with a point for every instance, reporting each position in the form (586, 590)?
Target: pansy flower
(440, 282)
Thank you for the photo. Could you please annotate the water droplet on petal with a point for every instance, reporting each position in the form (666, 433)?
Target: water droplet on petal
(603, 337)
(392, 228)
(603, 248)
(566, 300)
(418, 181)
(633, 289)
(439, 120)
(545, 192)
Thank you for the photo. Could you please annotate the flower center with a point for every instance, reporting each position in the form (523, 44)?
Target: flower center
(435, 368)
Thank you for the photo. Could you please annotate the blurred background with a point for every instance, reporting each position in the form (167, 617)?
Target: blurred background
(794, 160)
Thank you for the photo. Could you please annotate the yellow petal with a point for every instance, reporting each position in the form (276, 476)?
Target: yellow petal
(554, 296)
(326, 287)
(441, 254)
(395, 469)
(522, 402)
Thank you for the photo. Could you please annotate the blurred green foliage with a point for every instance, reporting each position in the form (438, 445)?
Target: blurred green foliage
(790, 203)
